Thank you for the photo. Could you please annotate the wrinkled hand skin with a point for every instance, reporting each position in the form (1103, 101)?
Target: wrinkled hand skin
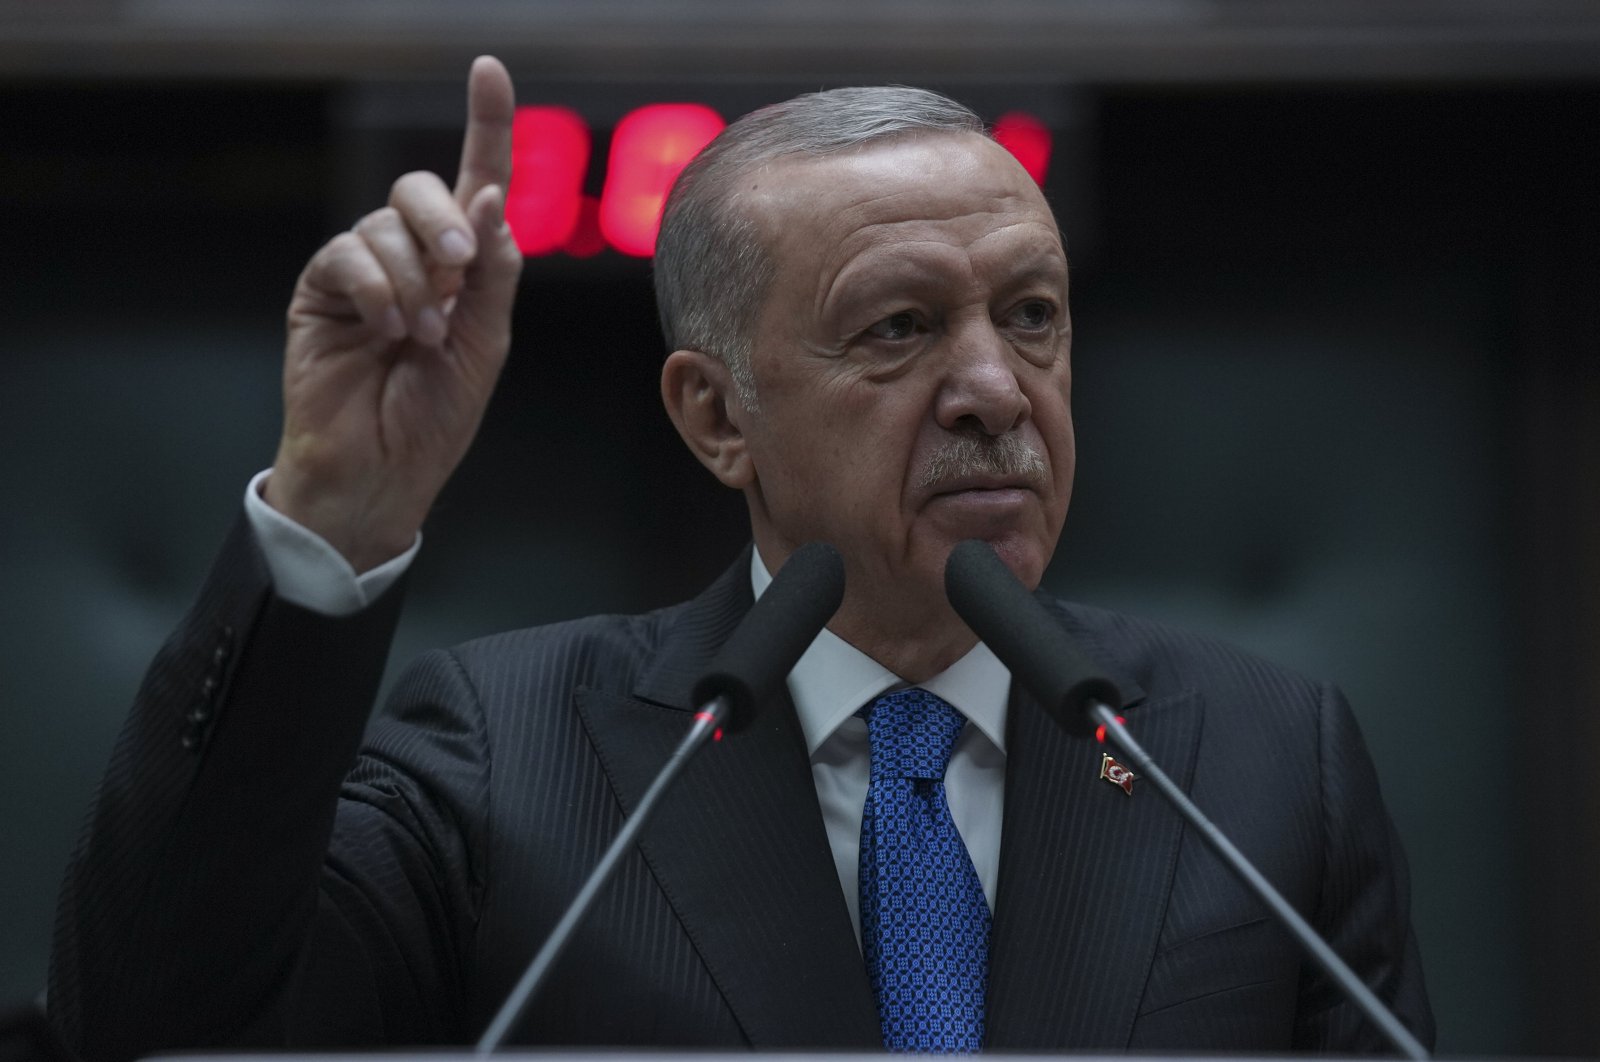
(397, 332)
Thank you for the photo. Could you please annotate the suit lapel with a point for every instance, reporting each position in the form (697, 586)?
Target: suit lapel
(1085, 874)
(739, 849)
(738, 845)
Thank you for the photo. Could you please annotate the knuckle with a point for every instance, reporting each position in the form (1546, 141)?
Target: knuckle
(371, 290)
(382, 218)
(411, 290)
(336, 255)
(410, 184)
(341, 246)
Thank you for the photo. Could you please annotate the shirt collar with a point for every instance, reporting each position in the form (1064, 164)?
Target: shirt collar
(833, 679)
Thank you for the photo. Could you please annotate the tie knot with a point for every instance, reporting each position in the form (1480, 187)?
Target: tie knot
(912, 734)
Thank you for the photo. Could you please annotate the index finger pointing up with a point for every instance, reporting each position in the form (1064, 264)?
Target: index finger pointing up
(486, 149)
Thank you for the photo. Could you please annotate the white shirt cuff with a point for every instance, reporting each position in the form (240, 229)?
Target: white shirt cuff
(306, 570)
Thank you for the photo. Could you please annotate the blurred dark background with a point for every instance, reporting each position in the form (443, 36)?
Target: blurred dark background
(1337, 306)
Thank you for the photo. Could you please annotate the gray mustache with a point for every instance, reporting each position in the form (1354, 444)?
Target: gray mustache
(983, 455)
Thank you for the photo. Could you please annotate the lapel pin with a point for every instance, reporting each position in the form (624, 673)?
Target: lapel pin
(1116, 773)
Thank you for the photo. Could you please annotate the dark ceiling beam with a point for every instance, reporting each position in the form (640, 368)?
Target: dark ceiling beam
(1100, 42)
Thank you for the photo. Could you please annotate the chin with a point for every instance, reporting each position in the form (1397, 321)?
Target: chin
(1026, 560)
(1021, 553)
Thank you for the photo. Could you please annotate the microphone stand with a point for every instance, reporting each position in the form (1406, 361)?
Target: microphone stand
(750, 666)
(1317, 948)
(1013, 623)
(707, 726)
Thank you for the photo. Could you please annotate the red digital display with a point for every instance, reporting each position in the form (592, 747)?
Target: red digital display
(1028, 139)
(587, 240)
(549, 157)
(648, 148)
(549, 213)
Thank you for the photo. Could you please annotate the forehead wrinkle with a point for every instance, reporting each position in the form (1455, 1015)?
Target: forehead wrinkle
(967, 205)
(901, 255)
(871, 197)
(915, 256)
(961, 212)
(1025, 257)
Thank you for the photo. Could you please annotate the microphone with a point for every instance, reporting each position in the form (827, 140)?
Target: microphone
(785, 620)
(749, 668)
(1031, 642)
(1011, 622)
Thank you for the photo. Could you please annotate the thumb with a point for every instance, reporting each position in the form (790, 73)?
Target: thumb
(482, 313)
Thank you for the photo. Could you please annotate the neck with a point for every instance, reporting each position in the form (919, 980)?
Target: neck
(906, 626)
(916, 651)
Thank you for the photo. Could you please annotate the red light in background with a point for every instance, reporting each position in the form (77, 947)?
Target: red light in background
(549, 156)
(648, 148)
(586, 240)
(1028, 139)
(548, 212)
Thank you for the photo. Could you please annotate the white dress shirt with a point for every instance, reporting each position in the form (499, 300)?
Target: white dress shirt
(832, 681)
(306, 570)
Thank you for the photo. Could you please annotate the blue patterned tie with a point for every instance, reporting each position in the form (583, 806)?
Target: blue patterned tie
(924, 921)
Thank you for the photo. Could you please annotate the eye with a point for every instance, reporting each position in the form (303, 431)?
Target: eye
(902, 325)
(1035, 315)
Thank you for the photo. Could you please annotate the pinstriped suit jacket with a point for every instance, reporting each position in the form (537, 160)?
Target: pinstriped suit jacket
(240, 883)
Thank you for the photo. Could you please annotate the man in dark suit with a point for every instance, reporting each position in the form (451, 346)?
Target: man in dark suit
(866, 303)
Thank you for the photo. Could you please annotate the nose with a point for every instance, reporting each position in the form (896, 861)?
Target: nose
(980, 390)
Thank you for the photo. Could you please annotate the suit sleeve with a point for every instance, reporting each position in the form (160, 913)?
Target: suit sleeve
(1364, 910)
(203, 892)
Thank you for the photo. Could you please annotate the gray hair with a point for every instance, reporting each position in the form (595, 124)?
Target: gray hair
(712, 270)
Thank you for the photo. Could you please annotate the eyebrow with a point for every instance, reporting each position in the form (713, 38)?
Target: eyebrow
(1043, 267)
(872, 284)
(889, 277)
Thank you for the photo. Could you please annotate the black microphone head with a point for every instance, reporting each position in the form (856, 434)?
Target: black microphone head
(1026, 638)
(763, 649)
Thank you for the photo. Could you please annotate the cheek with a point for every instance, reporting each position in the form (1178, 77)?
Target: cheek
(841, 445)
(1063, 459)
(1052, 413)
(820, 469)
(868, 426)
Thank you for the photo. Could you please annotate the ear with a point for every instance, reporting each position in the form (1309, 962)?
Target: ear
(700, 397)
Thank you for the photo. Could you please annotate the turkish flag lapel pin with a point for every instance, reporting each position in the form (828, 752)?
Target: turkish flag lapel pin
(1116, 773)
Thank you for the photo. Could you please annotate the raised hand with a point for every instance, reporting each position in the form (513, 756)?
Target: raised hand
(397, 332)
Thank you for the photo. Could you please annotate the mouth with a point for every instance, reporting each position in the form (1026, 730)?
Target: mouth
(979, 484)
(983, 503)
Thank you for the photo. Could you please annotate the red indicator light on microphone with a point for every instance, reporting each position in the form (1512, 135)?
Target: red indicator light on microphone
(1100, 731)
(549, 156)
(707, 717)
(1028, 139)
(648, 149)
